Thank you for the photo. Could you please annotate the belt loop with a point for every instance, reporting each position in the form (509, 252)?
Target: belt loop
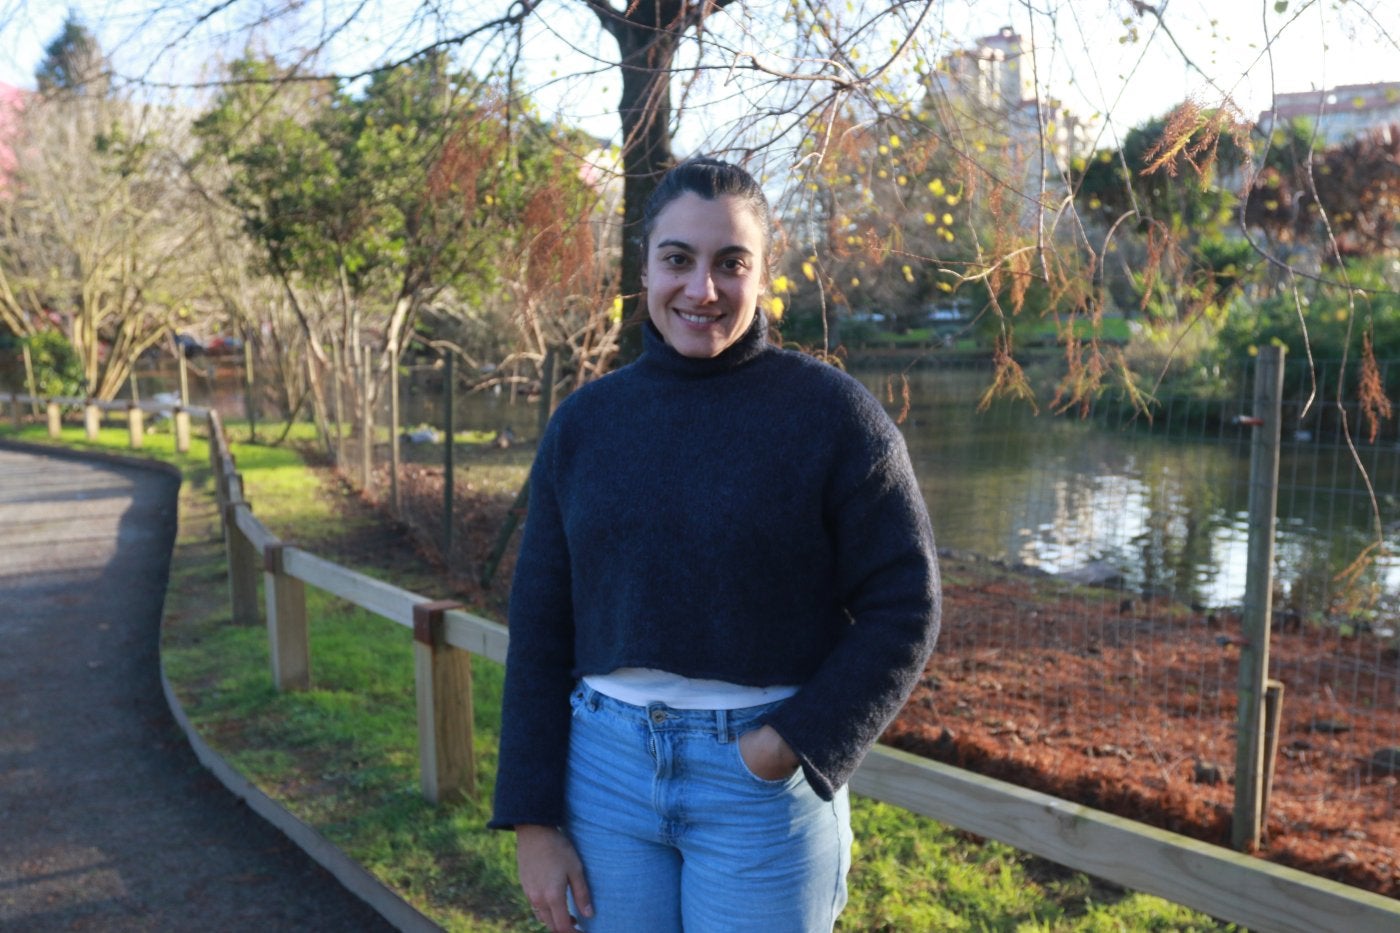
(722, 725)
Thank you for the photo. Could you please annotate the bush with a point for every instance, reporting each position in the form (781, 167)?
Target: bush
(57, 369)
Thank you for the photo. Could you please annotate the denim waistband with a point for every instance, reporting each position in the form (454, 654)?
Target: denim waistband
(726, 724)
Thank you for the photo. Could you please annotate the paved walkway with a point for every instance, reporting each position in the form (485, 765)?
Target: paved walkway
(107, 821)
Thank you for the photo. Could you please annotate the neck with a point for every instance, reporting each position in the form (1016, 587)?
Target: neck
(661, 356)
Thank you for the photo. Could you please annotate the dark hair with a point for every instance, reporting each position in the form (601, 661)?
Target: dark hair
(710, 179)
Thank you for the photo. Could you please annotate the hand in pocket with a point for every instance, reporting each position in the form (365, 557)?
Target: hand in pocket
(767, 755)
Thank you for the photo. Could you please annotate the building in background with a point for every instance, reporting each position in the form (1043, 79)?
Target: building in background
(990, 91)
(1340, 113)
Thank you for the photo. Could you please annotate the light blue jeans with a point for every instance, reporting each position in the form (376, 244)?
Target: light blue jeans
(676, 833)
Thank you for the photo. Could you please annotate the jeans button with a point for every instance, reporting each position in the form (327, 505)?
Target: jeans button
(658, 716)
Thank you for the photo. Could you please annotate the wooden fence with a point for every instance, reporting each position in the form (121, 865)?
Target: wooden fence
(1221, 882)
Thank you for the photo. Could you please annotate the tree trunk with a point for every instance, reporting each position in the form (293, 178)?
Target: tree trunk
(646, 51)
(646, 156)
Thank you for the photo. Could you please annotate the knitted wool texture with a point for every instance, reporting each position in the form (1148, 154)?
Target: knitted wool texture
(752, 518)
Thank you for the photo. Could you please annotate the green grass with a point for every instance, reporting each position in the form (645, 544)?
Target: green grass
(343, 757)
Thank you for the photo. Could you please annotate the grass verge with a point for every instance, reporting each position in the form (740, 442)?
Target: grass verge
(343, 757)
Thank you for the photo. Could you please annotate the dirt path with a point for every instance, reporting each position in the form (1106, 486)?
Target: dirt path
(107, 821)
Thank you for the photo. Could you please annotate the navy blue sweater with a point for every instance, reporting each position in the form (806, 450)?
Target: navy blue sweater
(752, 518)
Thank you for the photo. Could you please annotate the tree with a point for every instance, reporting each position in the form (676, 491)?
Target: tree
(425, 187)
(1350, 191)
(793, 74)
(97, 236)
(73, 63)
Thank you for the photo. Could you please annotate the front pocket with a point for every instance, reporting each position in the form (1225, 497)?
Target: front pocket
(748, 772)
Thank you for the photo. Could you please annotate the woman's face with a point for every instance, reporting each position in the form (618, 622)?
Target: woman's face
(704, 273)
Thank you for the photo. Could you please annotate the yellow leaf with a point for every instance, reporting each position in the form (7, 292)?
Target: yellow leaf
(936, 186)
(952, 199)
(902, 180)
(775, 308)
(948, 219)
(944, 286)
(855, 282)
(908, 274)
(884, 150)
(615, 312)
(809, 271)
(894, 142)
(930, 219)
(782, 284)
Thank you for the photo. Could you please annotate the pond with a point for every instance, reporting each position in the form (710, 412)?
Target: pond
(1163, 506)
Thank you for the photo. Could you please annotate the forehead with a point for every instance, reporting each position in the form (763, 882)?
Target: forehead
(710, 224)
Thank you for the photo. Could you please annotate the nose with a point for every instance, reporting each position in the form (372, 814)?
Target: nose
(700, 286)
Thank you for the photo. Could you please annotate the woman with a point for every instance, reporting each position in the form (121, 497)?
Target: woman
(726, 589)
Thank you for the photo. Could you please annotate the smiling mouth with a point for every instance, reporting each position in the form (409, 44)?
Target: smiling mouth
(698, 318)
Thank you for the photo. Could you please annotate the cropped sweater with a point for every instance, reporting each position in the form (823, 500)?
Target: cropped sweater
(751, 518)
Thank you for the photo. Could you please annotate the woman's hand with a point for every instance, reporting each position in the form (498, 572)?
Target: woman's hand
(767, 755)
(549, 867)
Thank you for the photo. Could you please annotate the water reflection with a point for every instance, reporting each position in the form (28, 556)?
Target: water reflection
(1169, 513)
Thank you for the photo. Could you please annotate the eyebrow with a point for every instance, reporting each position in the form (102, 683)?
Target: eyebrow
(726, 251)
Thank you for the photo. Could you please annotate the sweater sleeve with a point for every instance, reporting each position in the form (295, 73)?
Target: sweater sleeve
(539, 661)
(888, 584)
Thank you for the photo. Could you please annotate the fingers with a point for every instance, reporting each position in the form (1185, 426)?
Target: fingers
(555, 916)
(579, 886)
(549, 869)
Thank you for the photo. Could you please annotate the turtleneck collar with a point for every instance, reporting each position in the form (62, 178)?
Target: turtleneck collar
(659, 356)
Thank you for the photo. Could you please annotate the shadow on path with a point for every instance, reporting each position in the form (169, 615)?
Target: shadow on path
(107, 820)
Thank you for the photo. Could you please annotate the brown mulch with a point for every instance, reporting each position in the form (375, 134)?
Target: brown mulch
(1128, 706)
(1122, 704)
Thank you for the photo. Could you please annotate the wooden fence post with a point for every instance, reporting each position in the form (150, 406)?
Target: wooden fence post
(395, 500)
(92, 420)
(29, 380)
(55, 420)
(1258, 599)
(443, 675)
(184, 378)
(136, 426)
(287, 631)
(449, 459)
(242, 567)
(182, 430)
(15, 415)
(366, 422)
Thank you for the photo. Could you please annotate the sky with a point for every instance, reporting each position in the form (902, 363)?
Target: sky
(1088, 56)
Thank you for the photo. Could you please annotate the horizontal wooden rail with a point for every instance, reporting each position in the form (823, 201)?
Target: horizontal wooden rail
(255, 531)
(1221, 882)
(472, 633)
(381, 598)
